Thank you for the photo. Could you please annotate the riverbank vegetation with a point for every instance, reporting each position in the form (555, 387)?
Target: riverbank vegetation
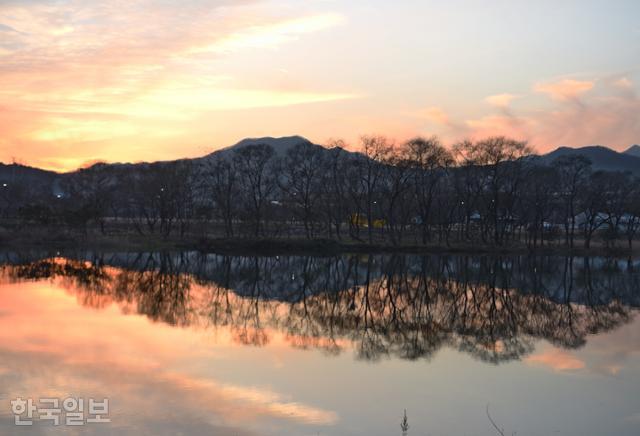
(490, 194)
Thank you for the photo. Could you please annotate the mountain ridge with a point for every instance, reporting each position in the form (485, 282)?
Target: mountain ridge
(602, 158)
(280, 145)
(634, 150)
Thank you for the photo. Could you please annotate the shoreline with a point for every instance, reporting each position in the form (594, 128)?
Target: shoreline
(323, 246)
(284, 246)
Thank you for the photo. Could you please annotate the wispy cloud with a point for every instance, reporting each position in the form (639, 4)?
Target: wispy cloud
(601, 111)
(432, 114)
(74, 72)
(159, 71)
(556, 359)
(272, 35)
(623, 82)
(501, 100)
(565, 89)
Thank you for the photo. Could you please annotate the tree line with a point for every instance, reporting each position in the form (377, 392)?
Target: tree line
(491, 192)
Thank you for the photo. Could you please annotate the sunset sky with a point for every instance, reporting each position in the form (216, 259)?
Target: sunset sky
(132, 80)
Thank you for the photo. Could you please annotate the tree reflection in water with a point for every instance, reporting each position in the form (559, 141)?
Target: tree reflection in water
(493, 308)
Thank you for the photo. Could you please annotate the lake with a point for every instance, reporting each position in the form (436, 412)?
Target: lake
(186, 343)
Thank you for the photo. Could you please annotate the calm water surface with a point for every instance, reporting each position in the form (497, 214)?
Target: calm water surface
(194, 344)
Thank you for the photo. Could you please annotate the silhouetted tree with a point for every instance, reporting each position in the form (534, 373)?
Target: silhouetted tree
(334, 179)
(502, 164)
(223, 183)
(631, 219)
(428, 161)
(301, 183)
(254, 164)
(396, 195)
(592, 204)
(573, 171)
(538, 205)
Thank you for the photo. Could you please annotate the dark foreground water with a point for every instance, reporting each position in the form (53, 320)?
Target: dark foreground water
(193, 344)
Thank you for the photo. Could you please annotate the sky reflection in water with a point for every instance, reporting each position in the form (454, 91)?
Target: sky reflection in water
(335, 346)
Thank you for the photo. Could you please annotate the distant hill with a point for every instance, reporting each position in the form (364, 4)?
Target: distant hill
(279, 145)
(634, 150)
(41, 180)
(602, 158)
(48, 182)
(14, 172)
(10, 172)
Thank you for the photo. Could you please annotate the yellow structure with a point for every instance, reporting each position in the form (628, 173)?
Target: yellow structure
(360, 220)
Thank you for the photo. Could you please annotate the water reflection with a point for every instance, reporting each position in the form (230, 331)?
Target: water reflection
(493, 308)
(194, 344)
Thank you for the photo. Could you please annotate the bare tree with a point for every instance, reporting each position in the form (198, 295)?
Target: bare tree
(396, 190)
(254, 164)
(573, 172)
(618, 188)
(428, 161)
(632, 216)
(161, 195)
(502, 162)
(592, 204)
(300, 181)
(334, 179)
(538, 202)
(369, 171)
(223, 184)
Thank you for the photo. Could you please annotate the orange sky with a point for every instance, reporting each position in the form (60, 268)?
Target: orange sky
(146, 79)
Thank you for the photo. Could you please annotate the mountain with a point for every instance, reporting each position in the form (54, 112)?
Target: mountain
(634, 150)
(49, 182)
(279, 145)
(16, 174)
(602, 158)
(9, 172)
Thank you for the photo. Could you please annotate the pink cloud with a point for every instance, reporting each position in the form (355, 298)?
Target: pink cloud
(504, 124)
(623, 82)
(608, 117)
(566, 89)
(501, 100)
(80, 81)
(556, 359)
(432, 114)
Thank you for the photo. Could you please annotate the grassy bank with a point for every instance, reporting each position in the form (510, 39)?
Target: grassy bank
(47, 238)
(323, 246)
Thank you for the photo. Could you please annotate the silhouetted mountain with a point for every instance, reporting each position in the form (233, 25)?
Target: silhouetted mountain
(602, 158)
(279, 145)
(49, 183)
(634, 150)
(25, 175)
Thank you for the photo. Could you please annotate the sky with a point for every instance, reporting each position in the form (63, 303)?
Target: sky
(141, 80)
